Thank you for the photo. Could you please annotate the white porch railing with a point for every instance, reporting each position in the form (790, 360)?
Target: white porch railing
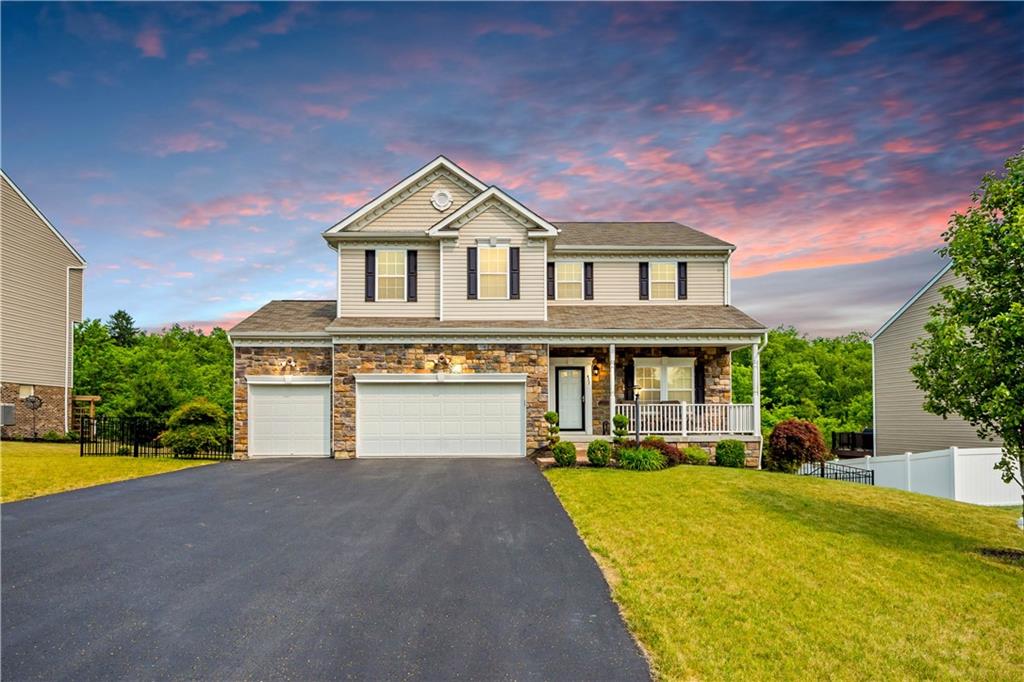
(690, 419)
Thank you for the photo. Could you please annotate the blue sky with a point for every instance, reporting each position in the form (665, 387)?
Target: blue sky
(194, 152)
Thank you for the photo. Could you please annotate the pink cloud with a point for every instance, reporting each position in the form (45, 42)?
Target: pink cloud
(181, 274)
(844, 167)
(659, 161)
(346, 199)
(197, 56)
(716, 111)
(185, 143)
(150, 42)
(990, 126)
(926, 13)
(551, 190)
(512, 28)
(225, 210)
(227, 321)
(287, 19)
(812, 135)
(904, 145)
(207, 256)
(853, 47)
(143, 264)
(326, 111)
(150, 233)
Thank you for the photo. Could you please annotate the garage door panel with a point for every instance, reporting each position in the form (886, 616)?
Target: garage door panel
(289, 420)
(437, 419)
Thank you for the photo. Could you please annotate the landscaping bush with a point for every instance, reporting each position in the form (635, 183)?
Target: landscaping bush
(792, 443)
(620, 423)
(564, 454)
(671, 452)
(641, 459)
(552, 419)
(55, 437)
(124, 450)
(694, 454)
(599, 452)
(196, 427)
(730, 453)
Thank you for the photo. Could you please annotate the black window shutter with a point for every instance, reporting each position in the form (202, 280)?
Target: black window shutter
(371, 274)
(588, 281)
(644, 282)
(410, 275)
(698, 382)
(513, 272)
(471, 272)
(551, 281)
(681, 277)
(627, 382)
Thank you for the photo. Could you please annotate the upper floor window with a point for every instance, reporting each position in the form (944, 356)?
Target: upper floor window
(568, 281)
(663, 281)
(493, 272)
(390, 275)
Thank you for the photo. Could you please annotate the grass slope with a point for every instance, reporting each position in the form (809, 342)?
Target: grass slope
(32, 469)
(732, 574)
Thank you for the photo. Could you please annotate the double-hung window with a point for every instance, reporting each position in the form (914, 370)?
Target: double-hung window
(663, 379)
(663, 281)
(569, 281)
(391, 275)
(493, 272)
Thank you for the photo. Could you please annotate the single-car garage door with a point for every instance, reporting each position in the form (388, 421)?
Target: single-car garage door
(289, 420)
(440, 419)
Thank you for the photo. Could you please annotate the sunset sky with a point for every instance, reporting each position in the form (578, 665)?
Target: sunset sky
(194, 152)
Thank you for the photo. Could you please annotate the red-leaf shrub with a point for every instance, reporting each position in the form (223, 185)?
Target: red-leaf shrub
(671, 452)
(793, 442)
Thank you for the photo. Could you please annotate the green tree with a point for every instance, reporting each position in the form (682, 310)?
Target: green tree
(122, 329)
(971, 363)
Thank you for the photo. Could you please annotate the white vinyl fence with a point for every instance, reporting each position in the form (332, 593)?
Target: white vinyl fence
(963, 474)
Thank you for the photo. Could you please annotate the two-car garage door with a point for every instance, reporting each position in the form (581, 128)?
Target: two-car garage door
(440, 419)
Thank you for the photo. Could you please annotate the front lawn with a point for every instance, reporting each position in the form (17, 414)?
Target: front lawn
(733, 574)
(32, 469)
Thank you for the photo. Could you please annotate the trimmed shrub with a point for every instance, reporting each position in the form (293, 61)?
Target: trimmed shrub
(671, 452)
(552, 419)
(124, 450)
(55, 437)
(564, 454)
(730, 453)
(792, 443)
(196, 427)
(641, 459)
(620, 423)
(694, 454)
(599, 452)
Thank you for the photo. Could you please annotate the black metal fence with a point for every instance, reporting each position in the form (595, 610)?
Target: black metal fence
(863, 441)
(839, 472)
(133, 437)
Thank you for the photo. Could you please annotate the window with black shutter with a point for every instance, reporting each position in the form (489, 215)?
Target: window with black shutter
(513, 272)
(681, 280)
(627, 382)
(644, 281)
(551, 281)
(588, 281)
(410, 275)
(471, 272)
(371, 274)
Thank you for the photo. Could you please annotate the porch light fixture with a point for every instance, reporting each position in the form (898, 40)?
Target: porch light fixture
(596, 369)
(288, 364)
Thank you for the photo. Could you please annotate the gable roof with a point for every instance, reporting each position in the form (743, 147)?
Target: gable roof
(440, 163)
(289, 317)
(496, 194)
(640, 235)
(28, 202)
(913, 299)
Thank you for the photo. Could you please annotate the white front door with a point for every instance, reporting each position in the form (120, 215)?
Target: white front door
(440, 419)
(289, 420)
(569, 398)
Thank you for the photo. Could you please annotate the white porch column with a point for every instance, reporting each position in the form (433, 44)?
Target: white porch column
(755, 364)
(611, 381)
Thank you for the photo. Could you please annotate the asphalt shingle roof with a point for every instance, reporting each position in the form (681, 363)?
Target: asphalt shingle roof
(635, 235)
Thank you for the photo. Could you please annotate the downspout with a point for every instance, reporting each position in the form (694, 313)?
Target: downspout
(757, 405)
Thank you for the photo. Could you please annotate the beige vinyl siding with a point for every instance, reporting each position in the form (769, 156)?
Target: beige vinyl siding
(353, 285)
(617, 282)
(33, 295)
(494, 223)
(416, 213)
(901, 424)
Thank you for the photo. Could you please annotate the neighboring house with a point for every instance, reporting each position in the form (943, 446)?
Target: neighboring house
(901, 423)
(462, 317)
(40, 300)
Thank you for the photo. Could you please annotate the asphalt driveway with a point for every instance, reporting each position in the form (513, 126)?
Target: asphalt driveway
(313, 569)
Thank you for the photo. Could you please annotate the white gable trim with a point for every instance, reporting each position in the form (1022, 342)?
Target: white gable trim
(493, 192)
(913, 299)
(46, 222)
(441, 163)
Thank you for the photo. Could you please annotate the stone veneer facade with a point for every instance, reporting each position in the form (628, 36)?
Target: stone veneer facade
(276, 361)
(352, 359)
(49, 417)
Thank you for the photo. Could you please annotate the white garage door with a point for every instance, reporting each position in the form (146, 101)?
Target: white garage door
(438, 419)
(289, 420)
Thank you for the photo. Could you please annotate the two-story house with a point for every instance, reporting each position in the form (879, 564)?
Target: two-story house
(462, 317)
(40, 300)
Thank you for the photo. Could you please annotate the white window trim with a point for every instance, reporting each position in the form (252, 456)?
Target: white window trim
(480, 272)
(405, 277)
(675, 280)
(664, 364)
(582, 277)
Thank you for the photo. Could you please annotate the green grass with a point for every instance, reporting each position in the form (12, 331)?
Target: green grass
(33, 469)
(733, 574)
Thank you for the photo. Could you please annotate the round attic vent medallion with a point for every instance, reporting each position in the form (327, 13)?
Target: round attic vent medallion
(441, 199)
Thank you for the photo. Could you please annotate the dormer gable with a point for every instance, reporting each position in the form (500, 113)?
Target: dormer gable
(496, 199)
